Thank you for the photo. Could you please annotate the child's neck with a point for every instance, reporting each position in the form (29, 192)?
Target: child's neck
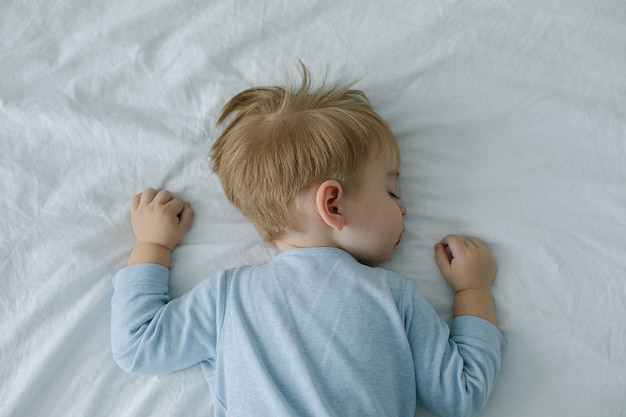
(302, 240)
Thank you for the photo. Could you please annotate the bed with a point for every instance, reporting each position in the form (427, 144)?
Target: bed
(511, 120)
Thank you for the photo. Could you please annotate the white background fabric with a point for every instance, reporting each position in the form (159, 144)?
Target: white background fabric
(509, 115)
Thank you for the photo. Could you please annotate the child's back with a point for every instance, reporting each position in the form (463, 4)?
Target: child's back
(314, 333)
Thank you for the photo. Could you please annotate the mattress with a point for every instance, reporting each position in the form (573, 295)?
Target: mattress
(511, 121)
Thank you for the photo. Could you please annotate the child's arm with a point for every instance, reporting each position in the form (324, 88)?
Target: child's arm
(149, 332)
(153, 334)
(159, 221)
(469, 270)
(456, 368)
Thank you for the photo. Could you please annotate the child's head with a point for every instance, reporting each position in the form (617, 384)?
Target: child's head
(282, 141)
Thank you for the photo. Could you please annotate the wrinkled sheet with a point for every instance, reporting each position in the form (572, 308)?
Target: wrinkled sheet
(512, 125)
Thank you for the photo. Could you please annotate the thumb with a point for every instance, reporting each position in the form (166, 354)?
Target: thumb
(441, 257)
(186, 217)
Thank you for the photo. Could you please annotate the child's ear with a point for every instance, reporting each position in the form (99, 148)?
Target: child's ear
(328, 203)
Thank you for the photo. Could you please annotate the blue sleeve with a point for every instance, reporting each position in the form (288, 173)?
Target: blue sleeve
(151, 334)
(455, 369)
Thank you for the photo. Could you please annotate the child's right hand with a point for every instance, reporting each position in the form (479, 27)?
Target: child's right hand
(160, 218)
(469, 264)
(159, 221)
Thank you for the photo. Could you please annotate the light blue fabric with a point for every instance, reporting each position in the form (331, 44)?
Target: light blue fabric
(311, 333)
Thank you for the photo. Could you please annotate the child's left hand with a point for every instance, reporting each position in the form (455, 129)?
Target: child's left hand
(160, 218)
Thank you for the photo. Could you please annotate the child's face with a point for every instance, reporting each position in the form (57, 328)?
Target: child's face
(374, 220)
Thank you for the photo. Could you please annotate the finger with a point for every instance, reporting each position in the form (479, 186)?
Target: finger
(163, 196)
(442, 259)
(147, 196)
(454, 243)
(175, 206)
(134, 202)
(476, 242)
(186, 217)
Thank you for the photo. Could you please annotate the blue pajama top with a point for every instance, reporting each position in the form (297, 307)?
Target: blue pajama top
(311, 333)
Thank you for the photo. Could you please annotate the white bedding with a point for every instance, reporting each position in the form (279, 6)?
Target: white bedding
(511, 119)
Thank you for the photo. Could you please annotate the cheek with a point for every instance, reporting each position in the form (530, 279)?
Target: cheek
(395, 211)
(390, 219)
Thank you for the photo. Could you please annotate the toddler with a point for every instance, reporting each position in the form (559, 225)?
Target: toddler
(319, 330)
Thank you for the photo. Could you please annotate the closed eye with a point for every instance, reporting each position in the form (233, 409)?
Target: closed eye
(394, 195)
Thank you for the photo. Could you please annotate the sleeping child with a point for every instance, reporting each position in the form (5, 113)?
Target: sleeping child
(321, 329)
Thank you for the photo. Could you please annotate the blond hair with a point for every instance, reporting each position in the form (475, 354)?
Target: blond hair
(281, 141)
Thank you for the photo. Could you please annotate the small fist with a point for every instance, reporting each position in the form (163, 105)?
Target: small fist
(160, 218)
(465, 263)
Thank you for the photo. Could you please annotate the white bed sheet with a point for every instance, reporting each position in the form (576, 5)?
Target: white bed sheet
(512, 125)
